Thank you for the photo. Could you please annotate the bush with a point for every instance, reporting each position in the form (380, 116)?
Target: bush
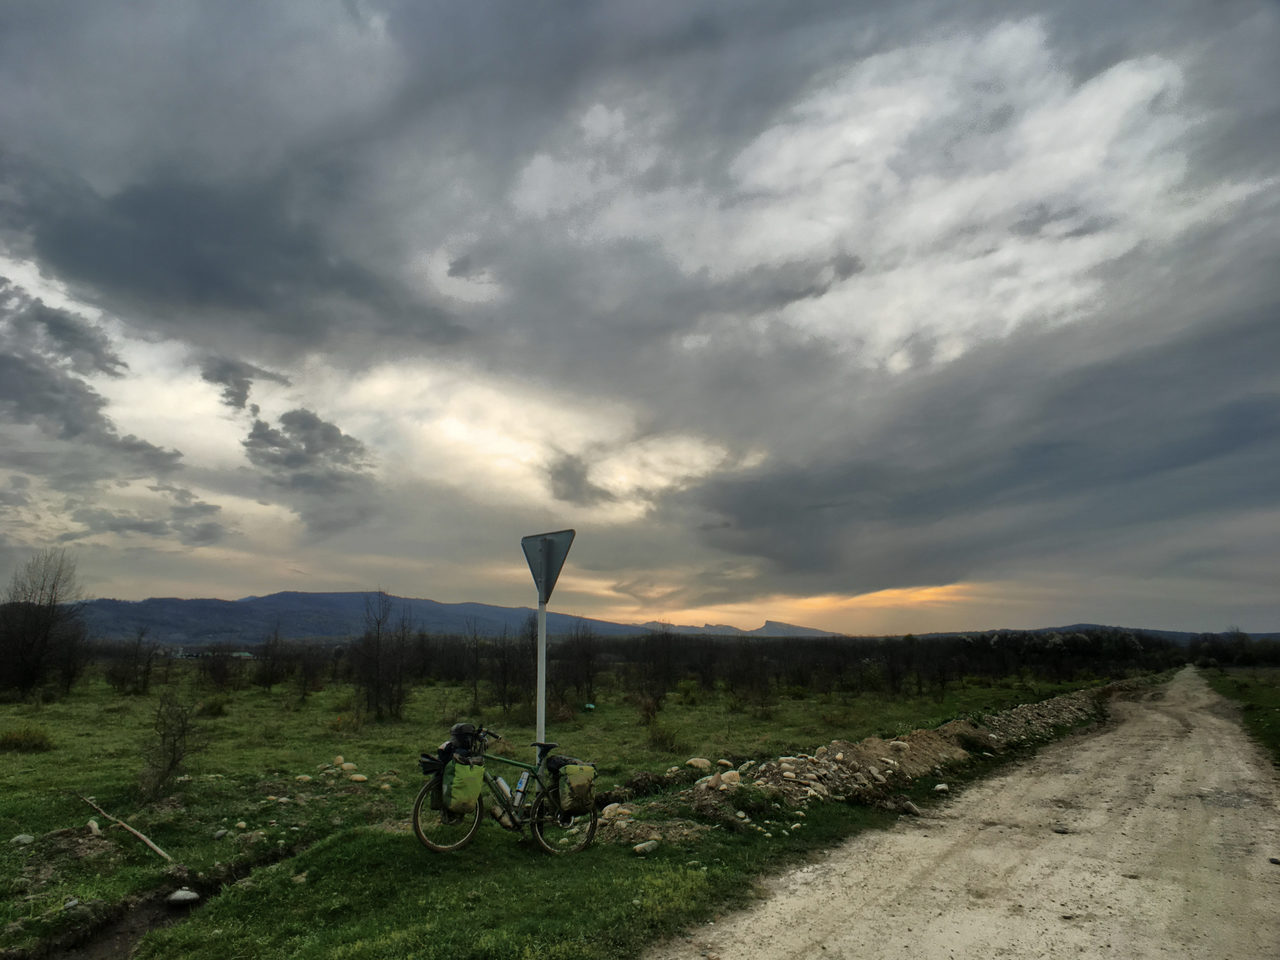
(213, 707)
(25, 740)
(176, 738)
(665, 740)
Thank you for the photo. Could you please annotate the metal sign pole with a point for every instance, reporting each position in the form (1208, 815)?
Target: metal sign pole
(542, 671)
(545, 553)
(542, 641)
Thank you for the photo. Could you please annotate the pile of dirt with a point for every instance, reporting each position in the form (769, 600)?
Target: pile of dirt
(875, 771)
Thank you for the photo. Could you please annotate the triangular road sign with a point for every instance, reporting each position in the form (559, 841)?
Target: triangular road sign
(545, 553)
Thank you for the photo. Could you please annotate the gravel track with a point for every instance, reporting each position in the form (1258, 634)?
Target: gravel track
(1149, 838)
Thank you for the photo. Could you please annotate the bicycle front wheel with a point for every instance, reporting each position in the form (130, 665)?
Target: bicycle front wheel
(558, 832)
(440, 830)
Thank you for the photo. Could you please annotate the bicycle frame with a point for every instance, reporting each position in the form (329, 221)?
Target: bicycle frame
(517, 812)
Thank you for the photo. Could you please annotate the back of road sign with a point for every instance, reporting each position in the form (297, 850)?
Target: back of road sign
(545, 553)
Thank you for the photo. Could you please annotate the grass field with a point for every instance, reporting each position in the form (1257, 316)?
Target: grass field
(1258, 692)
(337, 874)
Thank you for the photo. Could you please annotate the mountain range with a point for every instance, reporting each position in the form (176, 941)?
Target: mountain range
(331, 616)
(334, 615)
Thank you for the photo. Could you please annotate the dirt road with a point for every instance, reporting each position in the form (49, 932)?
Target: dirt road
(1150, 838)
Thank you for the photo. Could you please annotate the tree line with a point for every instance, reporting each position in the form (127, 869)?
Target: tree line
(44, 647)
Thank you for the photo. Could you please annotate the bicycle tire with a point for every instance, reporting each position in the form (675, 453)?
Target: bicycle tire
(560, 833)
(440, 830)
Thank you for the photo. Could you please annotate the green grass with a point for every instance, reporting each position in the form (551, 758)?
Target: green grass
(1258, 692)
(370, 889)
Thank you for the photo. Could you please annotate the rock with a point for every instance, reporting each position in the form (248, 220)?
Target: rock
(878, 777)
(301, 877)
(219, 834)
(788, 775)
(821, 752)
(22, 840)
(899, 745)
(1060, 829)
(357, 778)
(698, 763)
(839, 758)
(724, 763)
(731, 777)
(348, 766)
(787, 767)
(385, 786)
(303, 778)
(182, 898)
(94, 828)
(611, 811)
(240, 825)
(1275, 860)
(746, 766)
(941, 788)
(338, 761)
(911, 808)
(646, 848)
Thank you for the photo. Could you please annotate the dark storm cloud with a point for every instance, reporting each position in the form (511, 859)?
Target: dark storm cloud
(1014, 453)
(181, 252)
(236, 378)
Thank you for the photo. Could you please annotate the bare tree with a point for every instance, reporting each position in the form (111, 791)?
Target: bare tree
(41, 626)
(131, 663)
(381, 657)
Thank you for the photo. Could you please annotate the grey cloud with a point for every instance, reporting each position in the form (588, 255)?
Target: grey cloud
(570, 482)
(16, 494)
(236, 378)
(33, 327)
(324, 472)
(185, 525)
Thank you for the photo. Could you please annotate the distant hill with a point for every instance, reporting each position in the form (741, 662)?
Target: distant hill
(334, 615)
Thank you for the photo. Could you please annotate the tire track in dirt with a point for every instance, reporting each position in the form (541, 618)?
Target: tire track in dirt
(1148, 839)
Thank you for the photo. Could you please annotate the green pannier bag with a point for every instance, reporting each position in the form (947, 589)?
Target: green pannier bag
(577, 787)
(462, 781)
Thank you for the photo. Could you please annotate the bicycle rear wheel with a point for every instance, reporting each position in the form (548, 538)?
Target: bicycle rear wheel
(440, 830)
(558, 832)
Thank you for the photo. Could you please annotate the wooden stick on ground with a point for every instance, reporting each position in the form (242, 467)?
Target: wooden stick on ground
(90, 802)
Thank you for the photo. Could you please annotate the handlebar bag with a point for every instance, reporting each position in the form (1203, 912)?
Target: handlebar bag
(462, 781)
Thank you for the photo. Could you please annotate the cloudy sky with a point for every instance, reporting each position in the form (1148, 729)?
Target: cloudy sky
(870, 317)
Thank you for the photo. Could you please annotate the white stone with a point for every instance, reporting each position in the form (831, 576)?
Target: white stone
(724, 763)
(22, 840)
(94, 828)
(303, 778)
(183, 897)
(941, 788)
(348, 766)
(731, 777)
(646, 848)
(698, 763)
(357, 778)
